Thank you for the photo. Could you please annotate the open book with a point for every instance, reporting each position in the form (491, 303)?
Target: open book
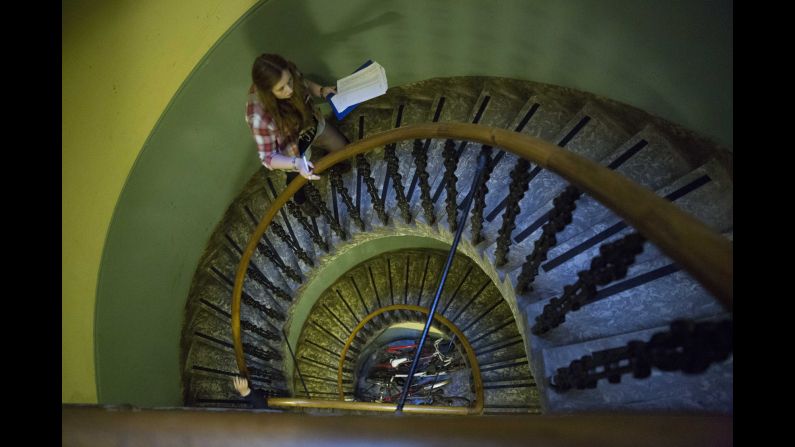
(366, 83)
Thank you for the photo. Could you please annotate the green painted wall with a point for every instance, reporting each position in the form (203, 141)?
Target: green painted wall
(671, 58)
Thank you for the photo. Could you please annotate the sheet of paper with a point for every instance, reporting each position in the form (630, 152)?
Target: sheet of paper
(365, 84)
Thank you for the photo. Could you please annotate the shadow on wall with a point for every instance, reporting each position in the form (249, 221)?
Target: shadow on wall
(306, 44)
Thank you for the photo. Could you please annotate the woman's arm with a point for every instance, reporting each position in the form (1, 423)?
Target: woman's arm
(318, 91)
(284, 162)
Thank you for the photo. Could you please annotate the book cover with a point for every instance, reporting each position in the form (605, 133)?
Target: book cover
(357, 88)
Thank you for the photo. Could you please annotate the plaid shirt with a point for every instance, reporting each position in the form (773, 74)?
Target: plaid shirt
(266, 135)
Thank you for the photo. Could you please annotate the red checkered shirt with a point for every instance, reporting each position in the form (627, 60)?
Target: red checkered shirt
(266, 135)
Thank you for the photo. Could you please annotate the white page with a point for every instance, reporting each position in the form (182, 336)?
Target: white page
(365, 84)
(366, 76)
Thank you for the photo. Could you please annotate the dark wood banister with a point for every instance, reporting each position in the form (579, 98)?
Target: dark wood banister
(702, 252)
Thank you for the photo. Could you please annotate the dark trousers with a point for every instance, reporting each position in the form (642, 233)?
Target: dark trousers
(300, 196)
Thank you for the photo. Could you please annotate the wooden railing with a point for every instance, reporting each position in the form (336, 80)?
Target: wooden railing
(297, 402)
(702, 252)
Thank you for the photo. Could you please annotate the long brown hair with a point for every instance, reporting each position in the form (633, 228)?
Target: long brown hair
(290, 115)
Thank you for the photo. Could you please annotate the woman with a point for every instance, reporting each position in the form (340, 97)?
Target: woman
(284, 121)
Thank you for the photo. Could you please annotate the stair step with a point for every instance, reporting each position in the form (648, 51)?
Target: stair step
(704, 199)
(513, 372)
(646, 158)
(588, 134)
(634, 309)
(521, 397)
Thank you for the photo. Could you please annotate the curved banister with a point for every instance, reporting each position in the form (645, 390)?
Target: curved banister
(297, 402)
(470, 353)
(699, 250)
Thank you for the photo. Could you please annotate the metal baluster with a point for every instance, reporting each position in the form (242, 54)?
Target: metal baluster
(559, 218)
(421, 161)
(364, 168)
(519, 184)
(313, 234)
(353, 211)
(314, 195)
(393, 171)
(480, 197)
(449, 180)
(612, 263)
(299, 252)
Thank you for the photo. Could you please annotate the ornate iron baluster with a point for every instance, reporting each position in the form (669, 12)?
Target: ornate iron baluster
(393, 171)
(245, 324)
(688, 346)
(480, 197)
(260, 278)
(565, 203)
(251, 327)
(267, 309)
(364, 168)
(421, 161)
(353, 211)
(264, 308)
(261, 353)
(269, 376)
(612, 263)
(437, 114)
(270, 254)
(519, 184)
(264, 333)
(314, 235)
(450, 180)
(314, 195)
(299, 252)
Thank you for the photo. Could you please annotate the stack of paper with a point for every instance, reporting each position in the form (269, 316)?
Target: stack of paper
(365, 84)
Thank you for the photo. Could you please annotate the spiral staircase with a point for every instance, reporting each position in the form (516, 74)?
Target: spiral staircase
(511, 268)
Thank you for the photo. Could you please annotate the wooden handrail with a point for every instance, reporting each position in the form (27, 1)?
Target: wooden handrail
(470, 353)
(702, 252)
(292, 402)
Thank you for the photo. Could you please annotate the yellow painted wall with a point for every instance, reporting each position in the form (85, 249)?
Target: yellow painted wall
(122, 63)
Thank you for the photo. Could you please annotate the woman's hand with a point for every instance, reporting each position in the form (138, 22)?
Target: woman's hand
(325, 91)
(305, 168)
(241, 385)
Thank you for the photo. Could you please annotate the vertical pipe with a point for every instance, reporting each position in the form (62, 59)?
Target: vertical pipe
(482, 159)
(295, 362)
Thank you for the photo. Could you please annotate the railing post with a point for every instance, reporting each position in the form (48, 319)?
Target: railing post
(482, 161)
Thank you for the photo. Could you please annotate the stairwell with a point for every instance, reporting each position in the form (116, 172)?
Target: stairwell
(487, 295)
